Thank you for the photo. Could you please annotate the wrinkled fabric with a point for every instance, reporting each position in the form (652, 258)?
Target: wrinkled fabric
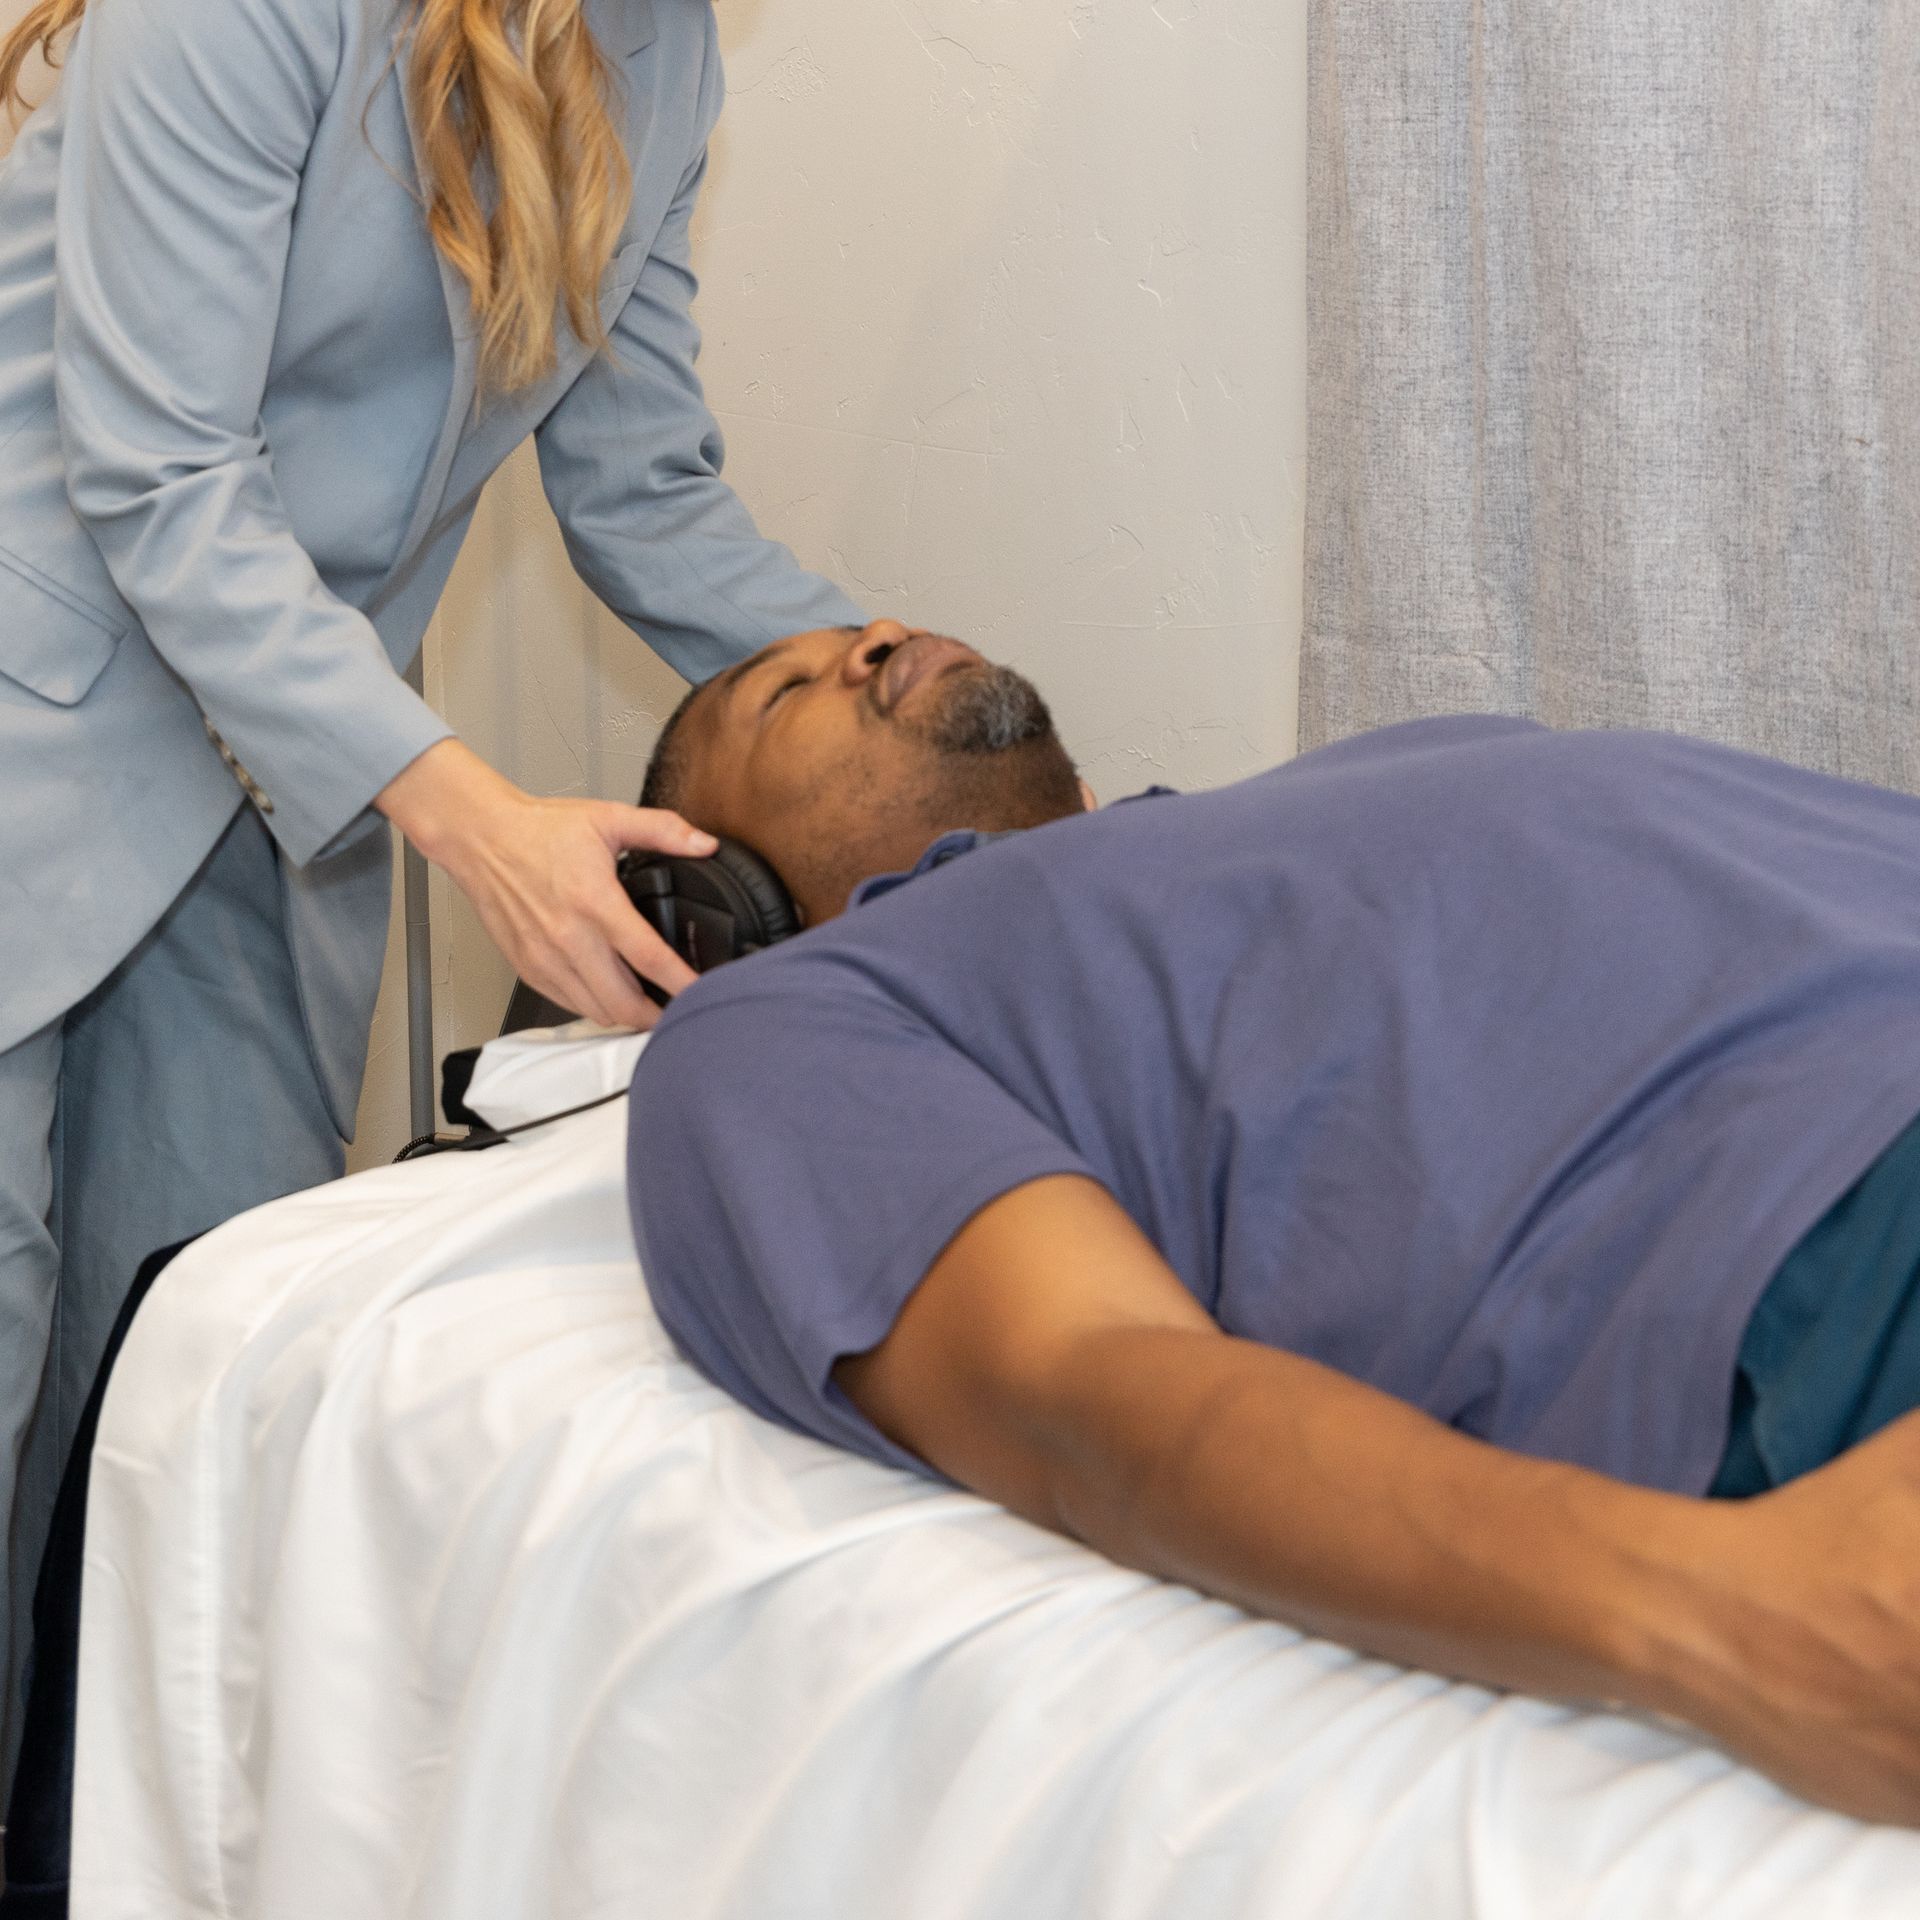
(1612, 371)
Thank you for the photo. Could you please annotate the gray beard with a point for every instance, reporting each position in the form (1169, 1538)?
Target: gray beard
(989, 710)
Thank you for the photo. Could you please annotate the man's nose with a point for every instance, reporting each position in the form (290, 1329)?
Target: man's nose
(869, 651)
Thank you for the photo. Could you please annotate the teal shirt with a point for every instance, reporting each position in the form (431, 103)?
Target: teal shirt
(1832, 1353)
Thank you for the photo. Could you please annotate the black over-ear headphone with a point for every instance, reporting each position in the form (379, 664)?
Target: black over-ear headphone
(708, 911)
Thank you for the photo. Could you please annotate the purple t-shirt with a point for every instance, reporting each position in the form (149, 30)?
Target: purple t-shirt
(1496, 1067)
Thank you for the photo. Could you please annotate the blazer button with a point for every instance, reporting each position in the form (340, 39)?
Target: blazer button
(248, 785)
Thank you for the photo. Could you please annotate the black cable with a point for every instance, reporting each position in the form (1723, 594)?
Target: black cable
(480, 1138)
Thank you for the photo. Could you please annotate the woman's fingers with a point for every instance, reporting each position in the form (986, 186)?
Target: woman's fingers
(609, 980)
(543, 882)
(654, 829)
(650, 830)
(641, 948)
(576, 948)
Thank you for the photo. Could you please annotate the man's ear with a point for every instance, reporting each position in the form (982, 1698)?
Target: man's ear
(1088, 804)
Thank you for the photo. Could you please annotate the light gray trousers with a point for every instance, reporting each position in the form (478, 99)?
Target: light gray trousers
(181, 1091)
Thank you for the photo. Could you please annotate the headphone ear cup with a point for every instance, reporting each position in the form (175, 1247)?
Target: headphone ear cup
(714, 909)
(772, 916)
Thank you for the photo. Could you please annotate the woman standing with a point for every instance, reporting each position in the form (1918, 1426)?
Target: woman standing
(282, 282)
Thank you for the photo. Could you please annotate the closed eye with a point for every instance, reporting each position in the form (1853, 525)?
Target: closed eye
(783, 689)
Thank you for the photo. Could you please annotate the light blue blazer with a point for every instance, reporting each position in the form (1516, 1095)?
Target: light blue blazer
(240, 443)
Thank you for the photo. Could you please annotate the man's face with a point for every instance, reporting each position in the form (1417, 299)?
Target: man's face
(842, 753)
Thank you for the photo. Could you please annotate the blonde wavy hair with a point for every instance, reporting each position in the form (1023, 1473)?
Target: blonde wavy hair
(526, 183)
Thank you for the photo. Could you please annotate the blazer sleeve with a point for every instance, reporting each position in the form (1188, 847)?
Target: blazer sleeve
(631, 460)
(188, 124)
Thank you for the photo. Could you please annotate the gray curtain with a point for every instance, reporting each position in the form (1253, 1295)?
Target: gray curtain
(1614, 377)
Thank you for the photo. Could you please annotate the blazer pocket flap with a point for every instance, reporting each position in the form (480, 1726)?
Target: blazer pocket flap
(51, 641)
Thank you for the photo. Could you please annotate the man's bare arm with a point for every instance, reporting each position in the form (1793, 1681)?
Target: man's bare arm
(1052, 1361)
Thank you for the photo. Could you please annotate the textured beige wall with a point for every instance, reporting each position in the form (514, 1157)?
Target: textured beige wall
(1004, 313)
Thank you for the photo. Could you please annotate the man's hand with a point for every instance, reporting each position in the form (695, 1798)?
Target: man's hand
(1053, 1361)
(1812, 1667)
(540, 874)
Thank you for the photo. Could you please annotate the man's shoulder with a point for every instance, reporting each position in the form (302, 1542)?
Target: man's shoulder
(780, 1002)
(1432, 733)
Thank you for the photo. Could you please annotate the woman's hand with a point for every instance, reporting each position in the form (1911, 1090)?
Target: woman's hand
(1811, 1669)
(540, 874)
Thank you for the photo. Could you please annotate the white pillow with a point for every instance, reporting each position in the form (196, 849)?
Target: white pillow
(545, 1070)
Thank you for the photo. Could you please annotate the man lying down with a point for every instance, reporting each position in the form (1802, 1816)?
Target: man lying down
(1387, 1192)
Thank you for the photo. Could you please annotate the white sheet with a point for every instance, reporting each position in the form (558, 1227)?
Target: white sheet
(423, 1579)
